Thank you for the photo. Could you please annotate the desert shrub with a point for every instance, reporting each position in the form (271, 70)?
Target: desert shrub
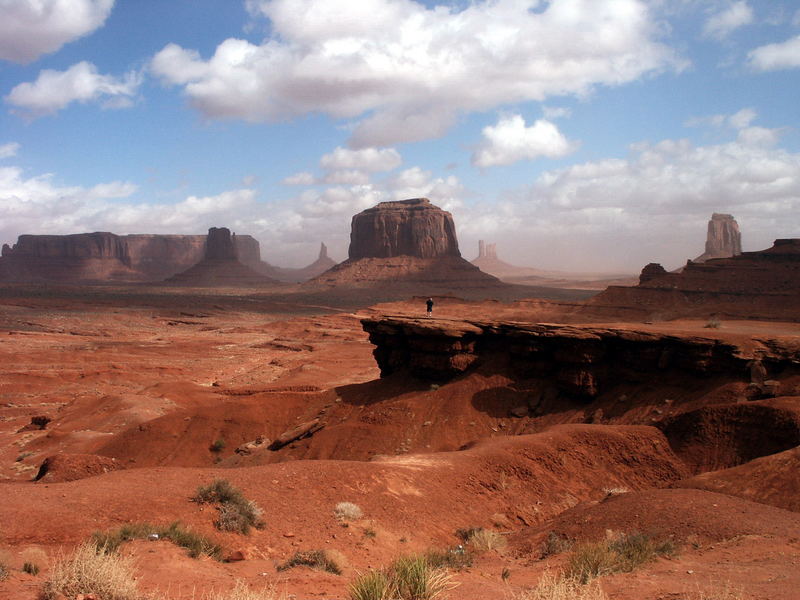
(217, 445)
(713, 323)
(240, 591)
(3, 570)
(415, 578)
(555, 544)
(236, 513)
(347, 511)
(107, 575)
(621, 555)
(486, 539)
(195, 543)
(30, 568)
(456, 558)
(558, 587)
(316, 559)
(373, 585)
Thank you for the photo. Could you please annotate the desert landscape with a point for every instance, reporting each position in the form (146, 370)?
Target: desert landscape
(640, 442)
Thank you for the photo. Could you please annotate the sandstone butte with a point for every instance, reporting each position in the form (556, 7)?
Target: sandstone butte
(670, 408)
(408, 243)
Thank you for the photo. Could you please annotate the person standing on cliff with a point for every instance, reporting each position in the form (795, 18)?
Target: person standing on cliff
(429, 305)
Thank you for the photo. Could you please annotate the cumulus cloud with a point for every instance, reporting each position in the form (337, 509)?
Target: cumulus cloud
(367, 159)
(9, 150)
(720, 25)
(405, 72)
(55, 90)
(738, 120)
(773, 57)
(510, 141)
(31, 28)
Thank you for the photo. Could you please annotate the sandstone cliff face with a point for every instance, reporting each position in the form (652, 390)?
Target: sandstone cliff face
(405, 228)
(108, 257)
(723, 239)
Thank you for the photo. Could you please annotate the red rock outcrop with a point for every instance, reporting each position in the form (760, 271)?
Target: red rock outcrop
(723, 240)
(220, 266)
(758, 285)
(103, 256)
(412, 227)
(408, 243)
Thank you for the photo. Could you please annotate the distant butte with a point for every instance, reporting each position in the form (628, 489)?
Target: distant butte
(220, 265)
(723, 240)
(407, 242)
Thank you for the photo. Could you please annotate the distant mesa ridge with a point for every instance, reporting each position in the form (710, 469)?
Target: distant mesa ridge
(406, 242)
(108, 257)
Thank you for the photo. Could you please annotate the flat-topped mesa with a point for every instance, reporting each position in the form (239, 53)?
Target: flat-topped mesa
(412, 227)
(755, 285)
(220, 245)
(723, 240)
(103, 256)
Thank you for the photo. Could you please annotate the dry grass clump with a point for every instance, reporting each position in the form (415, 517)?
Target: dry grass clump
(195, 543)
(555, 544)
(347, 511)
(241, 592)
(3, 571)
(620, 555)
(558, 587)
(483, 540)
(725, 592)
(316, 559)
(456, 558)
(407, 578)
(236, 513)
(107, 575)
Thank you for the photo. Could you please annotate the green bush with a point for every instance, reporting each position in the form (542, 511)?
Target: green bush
(373, 585)
(236, 513)
(316, 559)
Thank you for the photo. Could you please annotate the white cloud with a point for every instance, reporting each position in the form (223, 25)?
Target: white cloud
(555, 112)
(9, 150)
(738, 120)
(31, 28)
(511, 141)
(347, 177)
(54, 90)
(407, 71)
(722, 24)
(773, 57)
(367, 159)
(302, 178)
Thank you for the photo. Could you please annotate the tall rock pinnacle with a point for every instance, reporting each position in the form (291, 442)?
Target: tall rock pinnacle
(723, 240)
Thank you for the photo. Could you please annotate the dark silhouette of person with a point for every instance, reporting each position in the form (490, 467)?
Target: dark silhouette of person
(429, 304)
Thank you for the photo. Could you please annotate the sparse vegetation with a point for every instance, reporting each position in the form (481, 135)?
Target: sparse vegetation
(456, 558)
(236, 513)
(620, 555)
(725, 592)
(217, 446)
(30, 568)
(241, 592)
(555, 544)
(316, 559)
(373, 585)
(87, 570)
(370, 533)
(195, 543)
(713, 323)
(483, 540)
(407, 578)
(558, 587)
(615, 491)
(347, 511)
(3, 570)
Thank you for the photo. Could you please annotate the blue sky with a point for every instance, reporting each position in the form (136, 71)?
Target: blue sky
(576, 134)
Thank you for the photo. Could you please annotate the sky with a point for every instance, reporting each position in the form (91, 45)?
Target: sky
(580, 135)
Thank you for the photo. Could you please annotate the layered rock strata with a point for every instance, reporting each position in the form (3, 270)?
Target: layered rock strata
(581, 361)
